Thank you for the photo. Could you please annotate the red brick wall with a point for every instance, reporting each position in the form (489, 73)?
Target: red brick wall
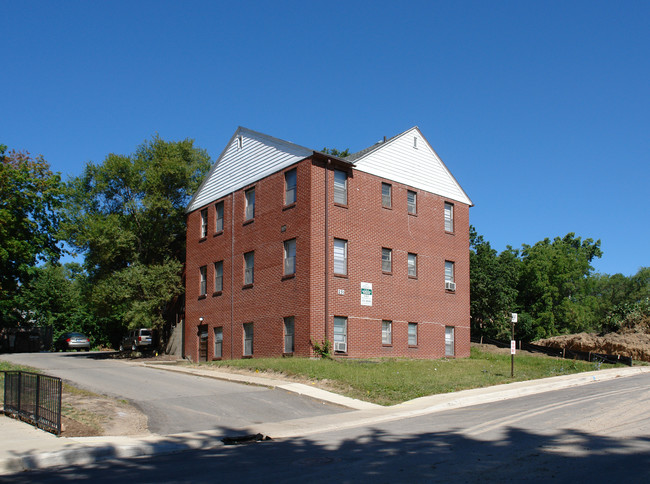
(368, 227)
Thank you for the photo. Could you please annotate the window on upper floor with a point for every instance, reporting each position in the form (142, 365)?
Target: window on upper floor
(387, 332)
(218, 276)
(204, 223)
(412, 265)
(412, 202)
(250, 204)
(449, 217)
(340, 257)
(203, 280)
(450, 284)
(218, 215)
(249, 268)
(290, 181)
(340, 187)
(289, 257)
(386, 195)
(386, 260)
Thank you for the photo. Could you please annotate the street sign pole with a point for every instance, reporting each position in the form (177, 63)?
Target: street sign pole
(513, 345)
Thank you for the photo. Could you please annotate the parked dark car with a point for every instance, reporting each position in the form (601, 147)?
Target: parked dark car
(72, 341)
(137, 340)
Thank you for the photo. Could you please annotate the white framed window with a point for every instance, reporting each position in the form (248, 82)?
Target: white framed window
(449, 217)
(289, 328)
(250, 204)
(204, 222)
(412, 265)
(386, 260)
(387, 332)
(289, 257)
(218, 276)
(340, 334)
(340, 187)
(203, 280)
(249, 267)
(218, 216)
(290, 181)
(386, 195)
(413, 334)
(449, 341)
(248, 339)
(450, 283)
(218, 342)
(412, 202)
(340, 256)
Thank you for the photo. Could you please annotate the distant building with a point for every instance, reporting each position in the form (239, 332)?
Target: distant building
(287, 245)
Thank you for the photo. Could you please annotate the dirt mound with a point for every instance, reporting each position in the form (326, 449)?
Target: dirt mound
(633, 344)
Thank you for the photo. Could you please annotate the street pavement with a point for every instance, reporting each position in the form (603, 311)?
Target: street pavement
(23, 447)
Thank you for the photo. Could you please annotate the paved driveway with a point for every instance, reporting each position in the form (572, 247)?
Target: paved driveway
(176, 402)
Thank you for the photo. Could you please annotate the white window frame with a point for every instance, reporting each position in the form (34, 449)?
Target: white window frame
(289, 257)
(249, 268)
(412, 264)
(340, 187)
(386, 332)
(204, 223)
(248, 334)
(386, 260)
(340, 333)
(449, 217)
(289, 334)
(340, 257)
(386, 195)
(413, 334)
(218, 342)
(249, 195)
(412, 205)
(290, 186)
(218, 217)
(450, 341)
(450, 269)
(203, 280)
(218, 276)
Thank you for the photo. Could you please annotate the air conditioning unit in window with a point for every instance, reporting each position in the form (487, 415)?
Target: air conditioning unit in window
(340, 347)
(450, 286)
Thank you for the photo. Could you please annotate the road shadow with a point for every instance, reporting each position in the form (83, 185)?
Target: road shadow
(376, 456)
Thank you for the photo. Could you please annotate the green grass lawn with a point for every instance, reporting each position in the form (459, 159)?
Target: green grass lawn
(392, 381)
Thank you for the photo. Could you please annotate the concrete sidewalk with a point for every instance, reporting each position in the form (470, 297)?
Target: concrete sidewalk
(23, 447)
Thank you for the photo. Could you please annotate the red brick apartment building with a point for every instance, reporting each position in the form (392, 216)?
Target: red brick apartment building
(287, 245)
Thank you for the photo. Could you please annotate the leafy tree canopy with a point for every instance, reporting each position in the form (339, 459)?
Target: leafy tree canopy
(334, 152)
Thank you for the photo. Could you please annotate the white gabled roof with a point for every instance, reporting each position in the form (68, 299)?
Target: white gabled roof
(408, 158)
(248, 157)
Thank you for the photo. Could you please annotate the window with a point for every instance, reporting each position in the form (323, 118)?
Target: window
(386, 195)
(204, 222)
(340, 334)
(203, 275)
(412, 265)
(449, 217)
(248, 339)
(412, 202)
(218, 276)
(450, 285)
(413, 334)
(218, 210)
(449, 341)
(386, 332)
(250, 204)
(290, 187)
(218, 342)
(340, 187)
(340, 257)
(249, 266)
(386, 260)
(288, 334)
(290, 257)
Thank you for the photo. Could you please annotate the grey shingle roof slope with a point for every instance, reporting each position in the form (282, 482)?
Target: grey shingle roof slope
(355, 156)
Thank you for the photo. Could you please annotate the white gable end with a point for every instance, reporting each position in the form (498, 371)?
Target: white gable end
(409, 159)
(248, 157)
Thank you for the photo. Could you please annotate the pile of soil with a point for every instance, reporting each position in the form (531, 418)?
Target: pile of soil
(633, 344)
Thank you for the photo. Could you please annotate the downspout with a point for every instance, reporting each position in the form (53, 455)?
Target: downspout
(327, 251)
(232, 273)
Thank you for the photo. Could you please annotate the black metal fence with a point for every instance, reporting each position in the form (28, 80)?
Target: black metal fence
(34, 398)
(558, 352)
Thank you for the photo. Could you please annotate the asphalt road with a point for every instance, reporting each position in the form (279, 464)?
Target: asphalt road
(592, 433)
(173, 402)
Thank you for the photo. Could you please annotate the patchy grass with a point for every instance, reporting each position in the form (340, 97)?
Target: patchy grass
(392, 381)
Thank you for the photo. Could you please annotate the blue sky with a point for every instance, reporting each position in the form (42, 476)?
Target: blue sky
(541, 110)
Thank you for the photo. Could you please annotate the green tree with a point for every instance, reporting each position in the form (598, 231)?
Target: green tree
(31, 199)
(334, 152)
(127, 217)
